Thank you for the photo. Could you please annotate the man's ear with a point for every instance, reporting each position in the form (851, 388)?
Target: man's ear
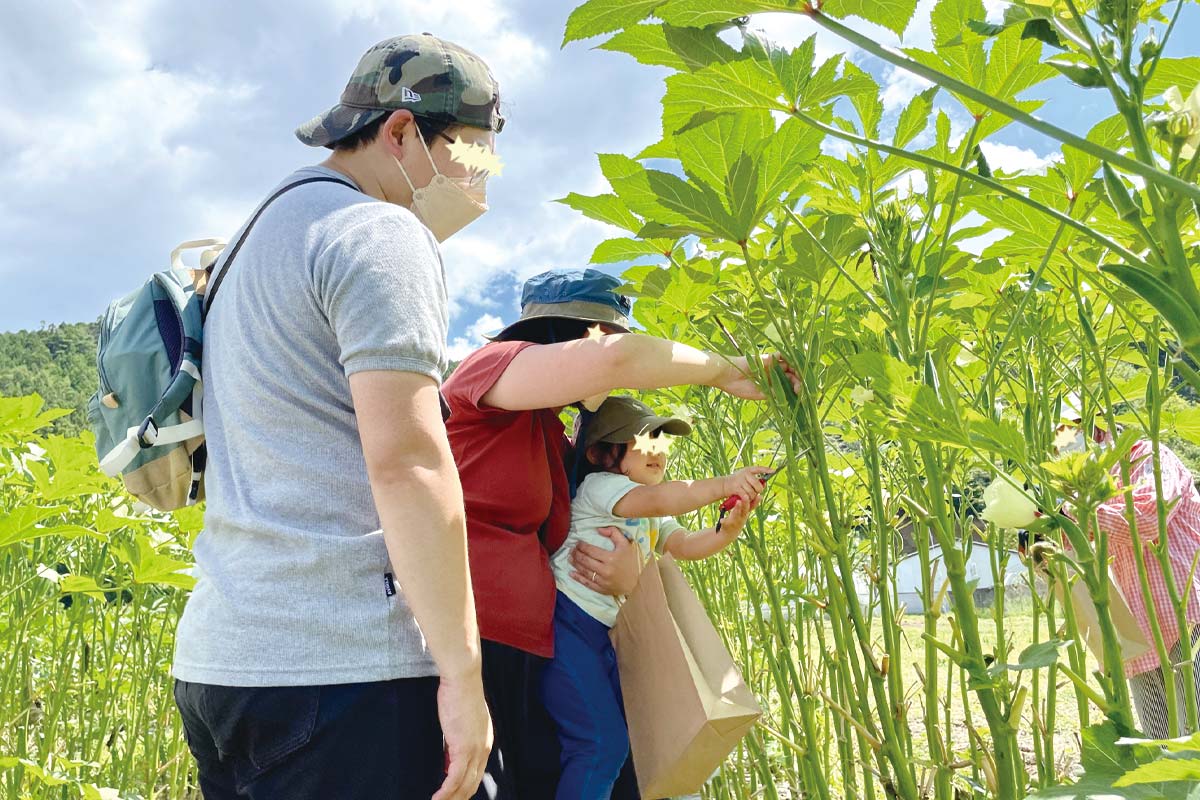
(398, 125)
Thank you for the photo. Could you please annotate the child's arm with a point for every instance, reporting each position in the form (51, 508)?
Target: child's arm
(693, 546)
(682, 497)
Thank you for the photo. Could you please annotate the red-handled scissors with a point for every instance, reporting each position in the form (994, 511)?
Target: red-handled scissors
(734, 499)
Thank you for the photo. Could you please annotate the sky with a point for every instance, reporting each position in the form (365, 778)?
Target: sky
(127, 126)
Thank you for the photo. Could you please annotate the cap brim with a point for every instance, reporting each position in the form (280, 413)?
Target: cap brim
(337, 123)
(495, 335)
(670, 425)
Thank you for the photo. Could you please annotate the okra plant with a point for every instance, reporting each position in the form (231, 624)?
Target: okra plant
(789, 217)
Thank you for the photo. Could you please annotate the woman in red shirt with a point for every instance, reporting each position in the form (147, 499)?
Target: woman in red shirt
(571, 344)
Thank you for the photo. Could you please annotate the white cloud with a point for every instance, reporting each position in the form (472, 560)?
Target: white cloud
(1009, 158)
(899, 88)
(977, 244)
(555, 236)
(489, 27)
(995, 9)
(910, 182)
(133, 116)
(165, 121)
(462, 346)
(790, 30)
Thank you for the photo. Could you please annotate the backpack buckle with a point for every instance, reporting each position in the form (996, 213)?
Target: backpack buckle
(147, 433)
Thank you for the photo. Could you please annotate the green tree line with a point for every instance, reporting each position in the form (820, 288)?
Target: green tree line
(59, 363)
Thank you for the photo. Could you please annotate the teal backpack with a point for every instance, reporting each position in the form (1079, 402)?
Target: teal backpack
(147, 414)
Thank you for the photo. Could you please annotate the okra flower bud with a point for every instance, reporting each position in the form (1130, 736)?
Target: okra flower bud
(1183, 124)
(1007, 506)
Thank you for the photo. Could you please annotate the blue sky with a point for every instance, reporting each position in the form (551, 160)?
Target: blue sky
(127, 126)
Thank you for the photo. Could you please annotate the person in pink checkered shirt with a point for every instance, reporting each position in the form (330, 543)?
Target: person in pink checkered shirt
(1182, 502)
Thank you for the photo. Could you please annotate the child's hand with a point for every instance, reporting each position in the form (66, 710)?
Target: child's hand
(746, 483)
(736, 517)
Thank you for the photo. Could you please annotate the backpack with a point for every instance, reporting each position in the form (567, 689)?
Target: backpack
(147, 414)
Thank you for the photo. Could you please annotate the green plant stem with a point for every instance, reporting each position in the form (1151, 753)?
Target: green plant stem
(952, 210)
(1151, 173)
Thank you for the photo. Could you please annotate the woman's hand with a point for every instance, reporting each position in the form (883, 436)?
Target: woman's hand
(612, 572)
(738, 379)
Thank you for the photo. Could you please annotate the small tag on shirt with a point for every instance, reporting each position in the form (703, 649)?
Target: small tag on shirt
(389, 584)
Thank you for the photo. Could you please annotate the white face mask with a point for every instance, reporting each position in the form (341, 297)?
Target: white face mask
(1076, 445)
(446, 205)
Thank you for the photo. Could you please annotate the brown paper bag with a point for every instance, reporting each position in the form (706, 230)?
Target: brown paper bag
(685, 701)
(1132, 641)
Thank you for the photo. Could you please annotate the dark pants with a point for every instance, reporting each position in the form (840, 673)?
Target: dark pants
(582, 693)
(524, 764)
(349, 741)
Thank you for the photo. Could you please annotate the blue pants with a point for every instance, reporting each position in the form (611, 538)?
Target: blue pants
(582, 693)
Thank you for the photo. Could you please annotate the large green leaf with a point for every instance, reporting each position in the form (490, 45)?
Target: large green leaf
(150, 567)
(21, 416)
(915, 117)
(630, 180)
(602, 16)
(74, 469)
(891, 14)
(1180, 745)
(80, 584)
(22, 522)
(1101, 787)
(612, 251)
(603, 208)
(683, 49)
(1002, 437)
(792, 68)
(867, 103)
(1181, 72)
(790, 151)
(648, 45)
(1010, 67)
(1166, 300)
(1078, 168)
(1101, 755)
(739, 85)
(702, 13)
(1179, 768)
(1035, 656)
(710, 151)
(699, 203)
(1186, 423)
(1013, 66)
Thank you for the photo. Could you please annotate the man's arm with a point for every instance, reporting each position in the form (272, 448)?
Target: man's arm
(420, 504)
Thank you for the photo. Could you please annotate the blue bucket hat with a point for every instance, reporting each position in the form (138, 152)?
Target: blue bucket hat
(584, 295)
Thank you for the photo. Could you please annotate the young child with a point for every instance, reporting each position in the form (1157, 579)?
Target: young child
(623, 486)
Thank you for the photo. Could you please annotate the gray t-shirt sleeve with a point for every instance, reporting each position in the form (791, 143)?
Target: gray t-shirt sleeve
(382, 287)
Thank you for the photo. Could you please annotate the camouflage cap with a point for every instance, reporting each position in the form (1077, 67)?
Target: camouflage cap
(427, 75)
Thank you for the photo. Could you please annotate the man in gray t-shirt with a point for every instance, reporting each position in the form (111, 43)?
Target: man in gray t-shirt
(330, 648)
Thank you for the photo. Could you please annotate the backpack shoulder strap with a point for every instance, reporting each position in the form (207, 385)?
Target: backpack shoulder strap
(215, 284)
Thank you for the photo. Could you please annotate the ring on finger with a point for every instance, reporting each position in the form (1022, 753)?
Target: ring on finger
(593, 576)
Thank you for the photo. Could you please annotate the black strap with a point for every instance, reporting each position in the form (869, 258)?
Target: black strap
(211, 292)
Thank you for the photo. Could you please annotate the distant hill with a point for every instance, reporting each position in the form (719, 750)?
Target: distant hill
(58, 362)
